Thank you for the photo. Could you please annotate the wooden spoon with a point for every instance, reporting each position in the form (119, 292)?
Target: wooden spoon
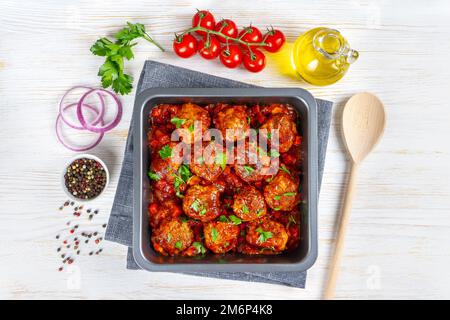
(363, 123)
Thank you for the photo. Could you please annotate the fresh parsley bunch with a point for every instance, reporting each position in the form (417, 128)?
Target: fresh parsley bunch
(112, 70)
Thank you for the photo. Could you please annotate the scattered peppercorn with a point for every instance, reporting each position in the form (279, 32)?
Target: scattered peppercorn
(85, 178)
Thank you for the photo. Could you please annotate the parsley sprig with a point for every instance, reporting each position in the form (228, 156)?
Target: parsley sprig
(112, 70)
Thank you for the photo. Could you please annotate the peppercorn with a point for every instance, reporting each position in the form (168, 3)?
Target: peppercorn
(85, 179)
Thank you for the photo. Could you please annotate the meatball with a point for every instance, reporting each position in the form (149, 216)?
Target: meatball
(221, 237)
(267, 234)
(287, 130)
(188, 114)
(232, 117)
(166, 211)
(253, 164)
(282, 192)
(202, 202)
(172, 237)
(163, 164)
(210, 164)
(249, 204)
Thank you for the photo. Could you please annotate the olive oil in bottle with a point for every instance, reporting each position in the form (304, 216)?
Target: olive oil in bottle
(322, 56)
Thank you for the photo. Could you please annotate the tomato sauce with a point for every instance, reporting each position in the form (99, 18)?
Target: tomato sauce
(228, 211)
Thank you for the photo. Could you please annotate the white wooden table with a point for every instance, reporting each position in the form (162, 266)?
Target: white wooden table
(398, 244)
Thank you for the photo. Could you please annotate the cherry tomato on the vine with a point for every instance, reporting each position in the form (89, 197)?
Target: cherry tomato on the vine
(231, 57)
(274, 40)
(185, 46)
(209, 50)
(228, 28)
(203, 19)
(254, 61)
(250, 34)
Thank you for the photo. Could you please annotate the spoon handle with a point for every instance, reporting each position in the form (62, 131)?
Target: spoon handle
(340, 237)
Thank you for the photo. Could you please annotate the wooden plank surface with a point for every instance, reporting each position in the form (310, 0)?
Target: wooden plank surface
(399, 232)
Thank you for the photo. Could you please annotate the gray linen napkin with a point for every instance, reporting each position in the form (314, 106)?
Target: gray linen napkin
(159, 75)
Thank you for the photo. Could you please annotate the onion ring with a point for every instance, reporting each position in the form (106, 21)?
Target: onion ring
(103, 128)
(74, 148)
(94, 122)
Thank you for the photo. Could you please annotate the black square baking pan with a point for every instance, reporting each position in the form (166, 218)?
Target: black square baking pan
(303, 257)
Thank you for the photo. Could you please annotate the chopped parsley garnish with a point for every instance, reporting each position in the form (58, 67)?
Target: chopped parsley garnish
(249, 120)
(184, 172)
(274, 154)
(214, 234)
(183, 176)
(179, 245)
(169, 237)
(177, 183)
(223, 218)
(221, 159)
(269, 135)
(249, 170)
(153, 176)
(283, 168)
(183, 218)
(235, 220)
(277, 209)
(165, 152)
(291, 220)
(177, 121)
(245, 208)
(261, 152)
(259, 212)
(286, 194)
(198, 207)
(200, 248)
(263, 235)
(191, 128)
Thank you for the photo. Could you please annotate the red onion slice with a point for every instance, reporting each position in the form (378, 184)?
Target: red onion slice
(103, 128)
(60, 136)
(94, 122)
